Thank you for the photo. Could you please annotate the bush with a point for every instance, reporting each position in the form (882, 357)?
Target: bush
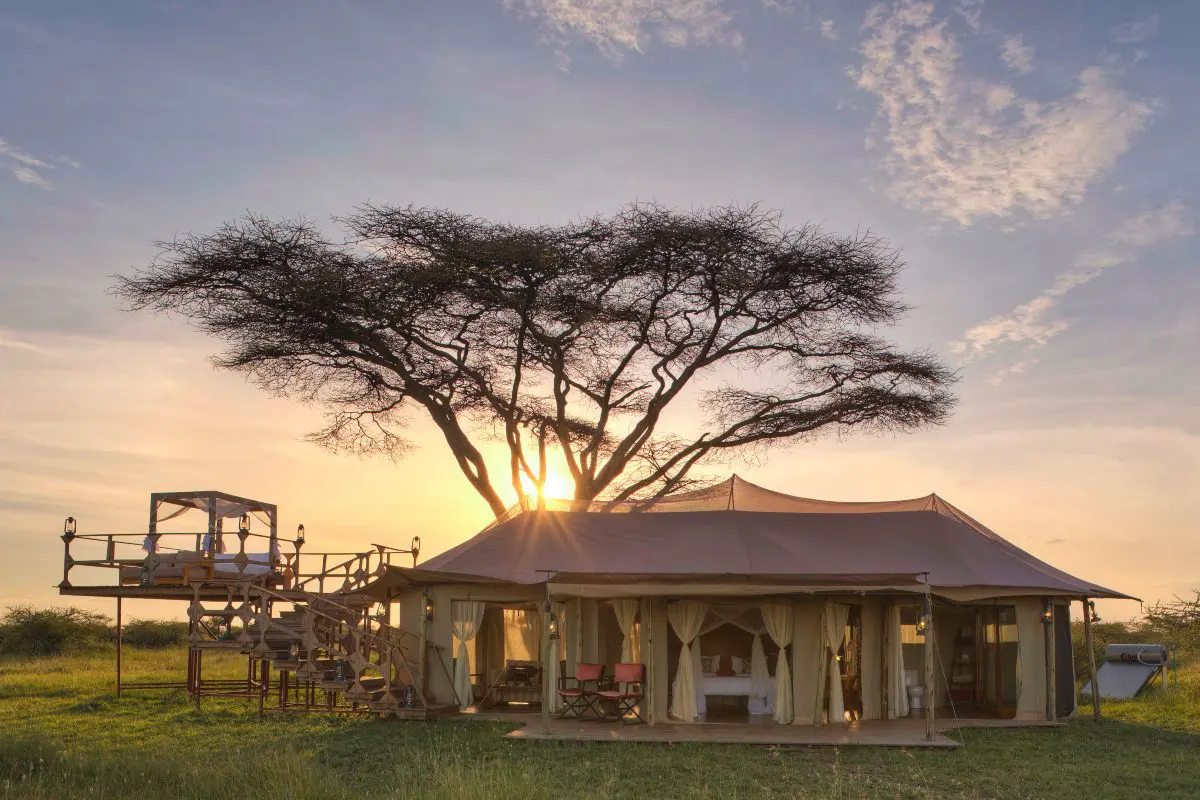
(28, 631)
(151, 633)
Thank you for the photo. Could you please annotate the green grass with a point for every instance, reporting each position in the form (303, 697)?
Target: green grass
(64, 735)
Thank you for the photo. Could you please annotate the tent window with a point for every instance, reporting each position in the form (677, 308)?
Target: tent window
(522, 634)
(908, 626)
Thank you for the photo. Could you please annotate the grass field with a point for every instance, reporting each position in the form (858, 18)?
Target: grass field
(64, 735)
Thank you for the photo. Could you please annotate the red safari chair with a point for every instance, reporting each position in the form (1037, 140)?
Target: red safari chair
(625, 696)
(581, 697)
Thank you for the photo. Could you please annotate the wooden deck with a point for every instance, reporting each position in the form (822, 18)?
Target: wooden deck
(759, 731)
(894, 733)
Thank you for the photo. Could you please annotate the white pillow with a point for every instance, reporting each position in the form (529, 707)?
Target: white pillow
(740, 666)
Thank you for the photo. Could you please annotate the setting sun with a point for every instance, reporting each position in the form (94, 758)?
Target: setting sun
(558, 485)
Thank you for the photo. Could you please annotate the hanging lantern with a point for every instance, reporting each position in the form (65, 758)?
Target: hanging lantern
(299, 534)
(69, 527)
(428, 608)
(1047, 612)
(552, 625)
(926, 617)
(1092, 611)
(244, 523)
(294, 652)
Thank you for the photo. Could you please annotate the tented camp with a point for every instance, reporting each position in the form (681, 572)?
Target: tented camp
(744, 604)
(732, 604)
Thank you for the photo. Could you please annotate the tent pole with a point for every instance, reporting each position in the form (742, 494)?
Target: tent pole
(1051, 668)
(1091, 651)
(930, 689)
(547, 689)
(119, 647)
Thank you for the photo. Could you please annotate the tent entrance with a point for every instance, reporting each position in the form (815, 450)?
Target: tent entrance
(733, 665)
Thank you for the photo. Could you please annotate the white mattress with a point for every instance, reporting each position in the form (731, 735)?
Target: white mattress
(729, 685)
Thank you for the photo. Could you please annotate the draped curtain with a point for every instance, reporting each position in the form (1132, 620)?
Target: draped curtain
(626, 610)
(897, 689)
(778, 620)
(836, 617)
(761, 696)
(686, 619)
(466, 615)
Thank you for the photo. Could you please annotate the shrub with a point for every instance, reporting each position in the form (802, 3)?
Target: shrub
(26, 630)
(152, 633)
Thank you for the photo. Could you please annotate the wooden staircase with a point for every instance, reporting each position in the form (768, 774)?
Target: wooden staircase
(329, 651)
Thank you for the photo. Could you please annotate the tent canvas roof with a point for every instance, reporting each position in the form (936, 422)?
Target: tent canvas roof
(738, 530)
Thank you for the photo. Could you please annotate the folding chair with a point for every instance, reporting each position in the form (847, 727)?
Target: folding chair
(626, 694)
(581, 697)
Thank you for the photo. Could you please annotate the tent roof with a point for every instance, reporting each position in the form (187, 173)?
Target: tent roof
(737, 529)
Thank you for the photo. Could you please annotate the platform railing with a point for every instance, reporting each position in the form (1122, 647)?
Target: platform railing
(180, 559)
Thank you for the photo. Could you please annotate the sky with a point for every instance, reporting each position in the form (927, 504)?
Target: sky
(1035, 163)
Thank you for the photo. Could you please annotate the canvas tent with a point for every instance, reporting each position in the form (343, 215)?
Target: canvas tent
(829, 587)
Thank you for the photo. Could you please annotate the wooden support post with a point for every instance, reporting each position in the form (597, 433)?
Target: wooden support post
(885, 647)
(1051, 668)
(1091, 653)
(199, 673)
(423, 653)
(930, 685)
(119, 635)
(547, 654)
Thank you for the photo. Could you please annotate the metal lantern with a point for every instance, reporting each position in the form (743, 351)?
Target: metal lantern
(415, 548)
(925, 618)
(294, 652)
(1092, 611)
(1047, 612)
(428, 608)
(244, 523)
(552, 625)
(299, 534)
(69, 527)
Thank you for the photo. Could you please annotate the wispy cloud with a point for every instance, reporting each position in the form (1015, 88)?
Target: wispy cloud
(617, 26)
(829, 30)
(1136, 31)
(1017, 55)
(966, 148)
(23, 166)
(1032, 325)
(971, 11)
(9, 342)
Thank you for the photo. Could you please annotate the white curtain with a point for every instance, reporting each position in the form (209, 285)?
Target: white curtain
(778, 619)
(836, 617)
(466, 615)
(1031, 659)
(686, 619)
(698, 677)
(897, 689)
(626, 610)
(761, 696)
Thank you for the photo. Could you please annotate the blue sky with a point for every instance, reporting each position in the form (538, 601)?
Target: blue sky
(1034, 161)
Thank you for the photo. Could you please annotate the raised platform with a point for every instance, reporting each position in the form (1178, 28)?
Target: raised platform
(892, 733)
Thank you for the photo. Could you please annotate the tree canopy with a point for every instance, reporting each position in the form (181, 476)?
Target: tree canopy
(569, 342)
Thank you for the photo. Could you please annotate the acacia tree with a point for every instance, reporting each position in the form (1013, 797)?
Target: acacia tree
(574, 339)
